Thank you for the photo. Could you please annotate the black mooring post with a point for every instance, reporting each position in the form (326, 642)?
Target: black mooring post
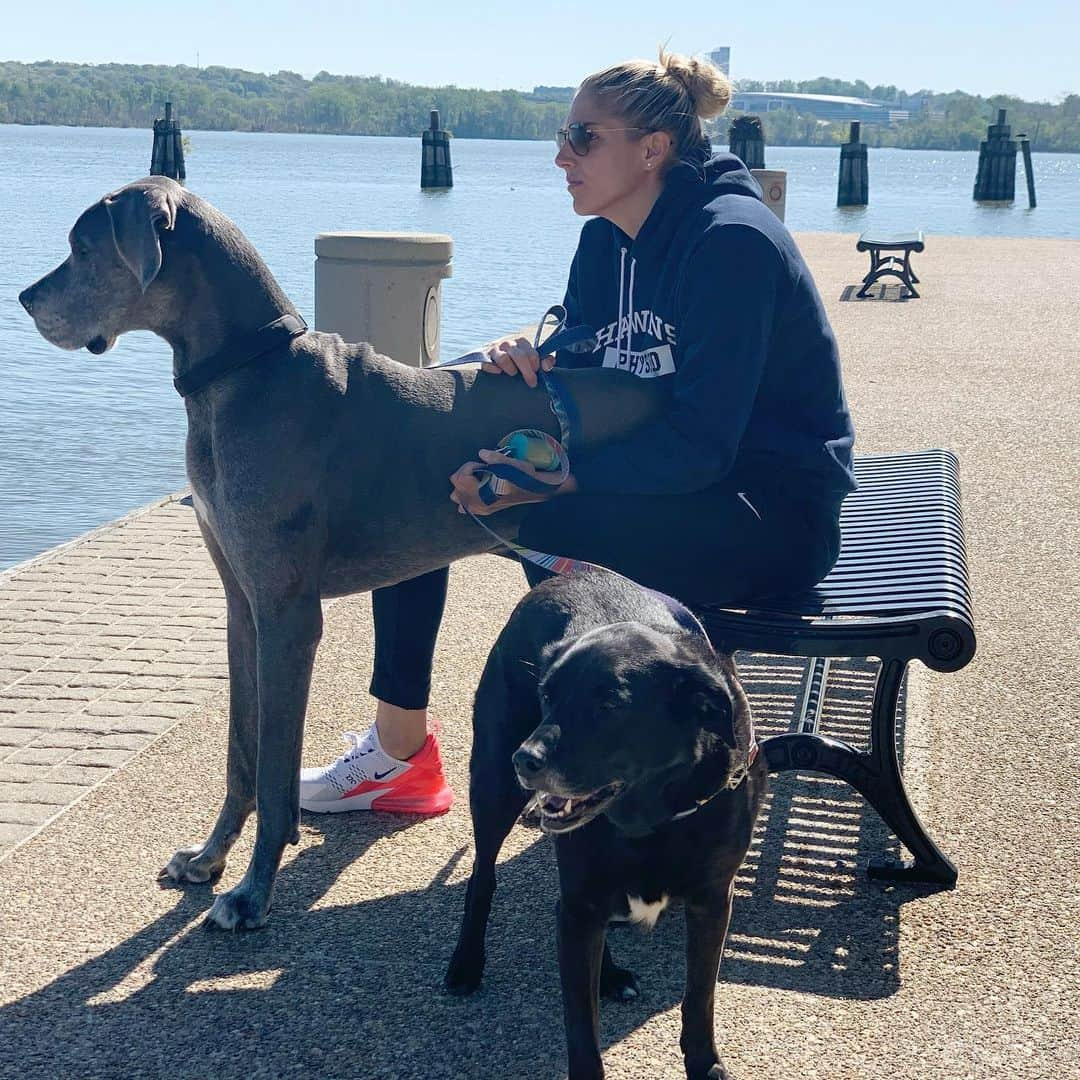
(853, 187)
(435, 168)
(995, 180)
(746, 140)
(167, 156)
(1025, 150)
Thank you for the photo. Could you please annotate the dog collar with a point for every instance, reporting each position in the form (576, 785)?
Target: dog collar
(238, 352)
(738, 775)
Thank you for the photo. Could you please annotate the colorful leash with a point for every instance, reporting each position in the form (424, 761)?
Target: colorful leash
(542, 451)
(550, 455)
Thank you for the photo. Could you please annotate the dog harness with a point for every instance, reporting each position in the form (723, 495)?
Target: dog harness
(239, 352)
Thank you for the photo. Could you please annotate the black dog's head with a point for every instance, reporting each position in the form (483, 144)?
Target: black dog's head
(629, 714)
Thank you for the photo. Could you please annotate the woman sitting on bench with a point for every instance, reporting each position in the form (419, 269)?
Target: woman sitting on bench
(735, 491)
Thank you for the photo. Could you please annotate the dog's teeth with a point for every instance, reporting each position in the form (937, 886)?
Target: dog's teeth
(568, 807)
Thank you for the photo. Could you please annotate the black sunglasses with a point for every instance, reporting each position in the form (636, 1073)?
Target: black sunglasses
(579, 136)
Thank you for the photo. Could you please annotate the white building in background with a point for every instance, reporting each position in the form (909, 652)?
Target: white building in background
(721, 57)
(828, 107)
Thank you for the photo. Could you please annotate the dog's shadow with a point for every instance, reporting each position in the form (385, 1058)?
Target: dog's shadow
(355, 991)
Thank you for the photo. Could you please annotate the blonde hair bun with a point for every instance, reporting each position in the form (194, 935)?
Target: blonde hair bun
(705, 83)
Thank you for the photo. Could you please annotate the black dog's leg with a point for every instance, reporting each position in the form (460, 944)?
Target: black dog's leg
(706, 930)
(500, 721)
(495, 800)
(616, 983)
(581, 929)
(204, 862)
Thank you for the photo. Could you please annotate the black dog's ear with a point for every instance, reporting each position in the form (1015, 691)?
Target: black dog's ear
(709, 702)
(135, 215)
(551, 652)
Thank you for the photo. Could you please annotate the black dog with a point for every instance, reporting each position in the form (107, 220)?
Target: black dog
(644, 763)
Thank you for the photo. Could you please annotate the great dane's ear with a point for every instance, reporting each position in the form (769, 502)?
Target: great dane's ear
(136, 214)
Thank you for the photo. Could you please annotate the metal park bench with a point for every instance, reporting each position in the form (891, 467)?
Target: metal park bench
(899, 592)
(890, 265)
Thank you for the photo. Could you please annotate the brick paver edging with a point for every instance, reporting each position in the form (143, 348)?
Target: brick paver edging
(105, 643)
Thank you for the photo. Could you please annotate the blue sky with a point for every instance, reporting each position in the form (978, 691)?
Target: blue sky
(1029, 49)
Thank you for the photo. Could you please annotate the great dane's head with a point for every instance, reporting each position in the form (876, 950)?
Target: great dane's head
(112, 281)
(628, 713)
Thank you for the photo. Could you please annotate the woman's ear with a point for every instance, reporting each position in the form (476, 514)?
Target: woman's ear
(656, 147)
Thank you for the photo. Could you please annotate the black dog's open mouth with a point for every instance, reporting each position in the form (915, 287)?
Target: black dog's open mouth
(560, 815)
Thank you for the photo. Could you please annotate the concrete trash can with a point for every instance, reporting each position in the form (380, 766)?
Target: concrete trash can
(383, 288)
(773, 188)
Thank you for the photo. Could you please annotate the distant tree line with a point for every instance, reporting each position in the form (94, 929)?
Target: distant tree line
(228, 99)
(952, 121)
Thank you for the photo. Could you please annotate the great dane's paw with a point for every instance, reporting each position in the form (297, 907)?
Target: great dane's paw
(618, 984)
(197, 865)
(238, 909)
(463, 975)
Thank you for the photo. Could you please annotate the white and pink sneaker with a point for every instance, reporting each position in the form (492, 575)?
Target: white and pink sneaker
(366, 777)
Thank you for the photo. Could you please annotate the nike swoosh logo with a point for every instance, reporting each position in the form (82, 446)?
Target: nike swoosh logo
(382, 775)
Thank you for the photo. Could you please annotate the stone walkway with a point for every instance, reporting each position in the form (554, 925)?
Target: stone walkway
(104, 645)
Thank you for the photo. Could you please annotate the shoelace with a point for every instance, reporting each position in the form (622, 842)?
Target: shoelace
(347, 763)
(354, 740)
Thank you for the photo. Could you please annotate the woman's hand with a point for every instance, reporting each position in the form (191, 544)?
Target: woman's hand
(466, 485)
(512, 356)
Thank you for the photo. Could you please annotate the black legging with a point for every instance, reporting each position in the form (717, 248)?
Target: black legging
(713, 546)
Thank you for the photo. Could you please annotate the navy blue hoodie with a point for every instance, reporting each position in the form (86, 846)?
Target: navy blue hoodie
(713, 297)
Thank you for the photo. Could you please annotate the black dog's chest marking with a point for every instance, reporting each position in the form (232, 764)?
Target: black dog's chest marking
(643, 876)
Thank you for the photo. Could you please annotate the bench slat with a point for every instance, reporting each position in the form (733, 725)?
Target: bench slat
(902, 574)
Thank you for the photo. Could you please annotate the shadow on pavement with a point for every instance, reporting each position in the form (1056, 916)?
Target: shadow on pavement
(355, 991)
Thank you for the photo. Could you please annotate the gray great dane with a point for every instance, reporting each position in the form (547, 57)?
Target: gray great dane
(319, 468)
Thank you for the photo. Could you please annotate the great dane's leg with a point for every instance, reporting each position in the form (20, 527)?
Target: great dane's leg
(580, 934)
(287, 631)
(706, 930)
(203, 862)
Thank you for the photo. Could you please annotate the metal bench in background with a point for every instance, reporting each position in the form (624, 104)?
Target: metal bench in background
(899, 592)
(890, 265)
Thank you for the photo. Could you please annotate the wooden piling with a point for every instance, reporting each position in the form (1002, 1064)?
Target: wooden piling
(995, 180)
(1029, 175)
(853, 187)
(436, 170)
(746, 140)
(167, 155)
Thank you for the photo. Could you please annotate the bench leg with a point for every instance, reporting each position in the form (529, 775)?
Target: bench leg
(876, 776)
(889, 797)
(908, 276)
(889, 266)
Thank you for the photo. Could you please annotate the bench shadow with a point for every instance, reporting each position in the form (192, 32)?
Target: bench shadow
(807, 916)
(355, 991)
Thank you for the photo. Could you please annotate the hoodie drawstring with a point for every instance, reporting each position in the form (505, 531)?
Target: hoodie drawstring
(623, 358)
(618, 333)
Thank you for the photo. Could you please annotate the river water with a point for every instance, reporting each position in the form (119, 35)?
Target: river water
(84, 439)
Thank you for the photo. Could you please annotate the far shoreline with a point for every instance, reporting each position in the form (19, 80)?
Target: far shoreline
(487, 138)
